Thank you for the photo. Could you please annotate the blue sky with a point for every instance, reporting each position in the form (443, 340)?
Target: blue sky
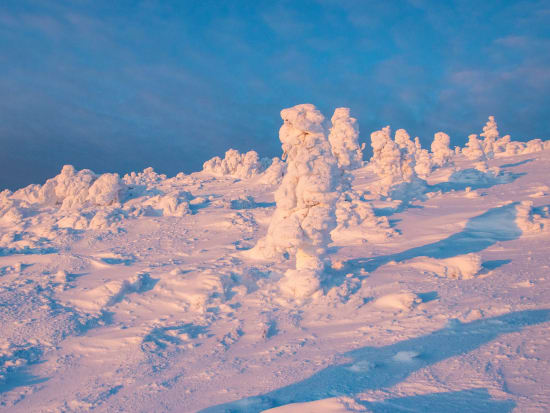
(122, 85)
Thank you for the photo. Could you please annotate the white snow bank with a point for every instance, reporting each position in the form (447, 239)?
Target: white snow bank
(237, 165)
(399, 301)
(459, 267)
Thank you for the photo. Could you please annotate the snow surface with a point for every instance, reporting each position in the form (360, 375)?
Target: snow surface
(142, 294)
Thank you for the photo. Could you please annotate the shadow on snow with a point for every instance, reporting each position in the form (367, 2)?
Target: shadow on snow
(372, 368)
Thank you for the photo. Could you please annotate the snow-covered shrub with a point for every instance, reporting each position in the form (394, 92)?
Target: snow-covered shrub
(74, 189)
(105, 190)
(343, 138)
(514, 148)
(501, 143)
(237, 165)
(305, 212)
(474, 149)
(534, 145)
(442, 155)
(146, 178)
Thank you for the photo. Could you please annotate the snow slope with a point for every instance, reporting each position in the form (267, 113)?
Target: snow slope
(136, 294)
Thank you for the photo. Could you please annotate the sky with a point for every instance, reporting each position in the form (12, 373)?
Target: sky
(117, 86)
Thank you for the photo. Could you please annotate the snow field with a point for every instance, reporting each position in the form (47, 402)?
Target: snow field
(140, 293)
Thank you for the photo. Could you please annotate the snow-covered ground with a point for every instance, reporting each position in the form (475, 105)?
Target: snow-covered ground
(139, 294)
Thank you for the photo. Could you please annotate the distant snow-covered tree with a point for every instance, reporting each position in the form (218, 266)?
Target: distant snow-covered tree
(343, 138)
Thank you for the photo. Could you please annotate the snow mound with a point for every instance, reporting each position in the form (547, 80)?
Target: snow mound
(398, 301)
(405, 356)
(459, 267)
(356, 220)
(237, 165)
(331, 405)
(530, 222)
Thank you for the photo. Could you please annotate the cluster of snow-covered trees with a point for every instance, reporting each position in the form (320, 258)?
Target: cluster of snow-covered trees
(315, 199)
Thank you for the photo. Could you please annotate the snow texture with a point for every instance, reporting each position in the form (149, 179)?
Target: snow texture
(145, 294)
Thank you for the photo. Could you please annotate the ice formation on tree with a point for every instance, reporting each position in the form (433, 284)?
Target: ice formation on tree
(237, 165)
(343, 138)
(442, 155)
(305, 212)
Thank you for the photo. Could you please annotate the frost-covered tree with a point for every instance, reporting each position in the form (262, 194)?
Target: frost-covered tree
(386, 158)
(408, 154)
(490, 134)
(442, 155)
(343, 138)
(474, 152)
(305, 212)
(238, 165)
(423, 160)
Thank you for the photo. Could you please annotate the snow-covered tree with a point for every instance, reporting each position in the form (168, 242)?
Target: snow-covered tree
(442, 155)
(474, 152)
(343, 138)
(490, 133)
(305, 212)
(235, 164)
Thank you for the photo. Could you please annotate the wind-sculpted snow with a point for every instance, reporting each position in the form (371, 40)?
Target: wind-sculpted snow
(146, 293)
(356, 221)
